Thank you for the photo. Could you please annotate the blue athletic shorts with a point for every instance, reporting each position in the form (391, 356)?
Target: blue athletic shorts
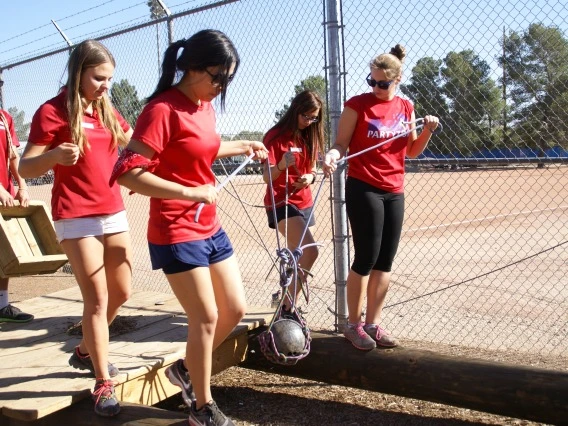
(292, 212)
(181, 257)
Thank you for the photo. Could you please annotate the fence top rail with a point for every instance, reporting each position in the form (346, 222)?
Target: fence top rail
(123, 31)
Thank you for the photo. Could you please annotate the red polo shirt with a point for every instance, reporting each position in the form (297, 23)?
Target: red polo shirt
(80, 190)
(5, 181)
(186, 143)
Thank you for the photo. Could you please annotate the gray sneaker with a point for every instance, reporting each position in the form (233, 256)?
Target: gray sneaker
(106, 403)
(84, 362)
(179, 376)
(208, 415)
(380, 335)
(357, 336)
(10, 313)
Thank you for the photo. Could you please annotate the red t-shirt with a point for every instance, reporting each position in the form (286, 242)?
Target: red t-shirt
(5, 180)
(277, 147)
(81, 190)
(186, 144)
(377, 121)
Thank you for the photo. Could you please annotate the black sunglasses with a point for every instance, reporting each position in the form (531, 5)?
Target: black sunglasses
(381, 84)
(217, 78)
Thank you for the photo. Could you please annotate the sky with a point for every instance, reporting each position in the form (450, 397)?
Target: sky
(280, 42)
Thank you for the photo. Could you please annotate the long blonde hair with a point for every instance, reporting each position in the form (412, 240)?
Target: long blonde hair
(88, 54)
(390, 63)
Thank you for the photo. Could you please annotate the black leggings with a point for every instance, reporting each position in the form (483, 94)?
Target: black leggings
(376, 225)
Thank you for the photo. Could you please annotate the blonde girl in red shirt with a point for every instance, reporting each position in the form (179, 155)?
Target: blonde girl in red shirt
(77, 134)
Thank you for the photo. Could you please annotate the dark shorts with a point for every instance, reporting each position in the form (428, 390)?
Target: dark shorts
(181, 257)
(292, 212)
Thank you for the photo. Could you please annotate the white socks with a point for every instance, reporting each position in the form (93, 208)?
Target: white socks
(3, 299)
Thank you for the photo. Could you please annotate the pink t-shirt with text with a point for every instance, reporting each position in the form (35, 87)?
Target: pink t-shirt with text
(378, 121)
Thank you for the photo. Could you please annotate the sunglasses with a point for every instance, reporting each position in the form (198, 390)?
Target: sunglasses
(381, 84)
(217, 78)
(310, 119)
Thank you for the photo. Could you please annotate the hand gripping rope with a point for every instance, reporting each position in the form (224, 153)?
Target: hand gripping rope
(225, 182)
(405, 133)
(287, 339)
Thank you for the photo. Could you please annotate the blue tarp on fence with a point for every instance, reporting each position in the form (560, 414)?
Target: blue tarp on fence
(509, 153)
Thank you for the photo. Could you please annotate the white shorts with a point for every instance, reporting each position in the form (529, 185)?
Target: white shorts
(95, 226)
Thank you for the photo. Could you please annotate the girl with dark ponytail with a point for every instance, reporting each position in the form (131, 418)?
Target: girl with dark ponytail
(169, 159)
(208, 48)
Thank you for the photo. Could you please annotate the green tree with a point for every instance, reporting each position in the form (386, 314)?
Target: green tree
(425, 90)
(125, 99)
(460, 91)
(22, 129)
(315, 83)
(535, 65)
(474, 102)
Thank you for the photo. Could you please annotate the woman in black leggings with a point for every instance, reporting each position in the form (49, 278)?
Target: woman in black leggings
(374, 191)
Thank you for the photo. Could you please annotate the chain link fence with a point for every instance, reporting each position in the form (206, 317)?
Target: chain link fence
(483, 258)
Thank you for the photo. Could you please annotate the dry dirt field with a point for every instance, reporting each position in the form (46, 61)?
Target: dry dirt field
(256, 398)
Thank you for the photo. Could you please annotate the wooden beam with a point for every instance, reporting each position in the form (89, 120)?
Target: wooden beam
(82, 414)
(498, 388)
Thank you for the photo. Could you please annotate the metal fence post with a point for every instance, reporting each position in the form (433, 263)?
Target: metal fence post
(338, 189)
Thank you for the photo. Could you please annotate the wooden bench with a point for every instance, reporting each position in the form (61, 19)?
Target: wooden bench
(36, 380)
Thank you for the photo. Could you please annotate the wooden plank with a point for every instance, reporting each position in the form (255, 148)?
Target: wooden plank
(31, 265)
(28, 240)
(44, 230)
(23, 340)
(17, 239)
(36, 381)
(31, 240)
(82, 414)
(509, 390)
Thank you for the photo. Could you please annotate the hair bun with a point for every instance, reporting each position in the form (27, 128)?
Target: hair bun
(399, 51)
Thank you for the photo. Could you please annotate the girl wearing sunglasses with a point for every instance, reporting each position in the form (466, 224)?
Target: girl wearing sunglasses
(374, 190)
(169, 159)
(293, 146)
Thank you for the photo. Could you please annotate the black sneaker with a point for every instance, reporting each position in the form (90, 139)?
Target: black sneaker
(287, 313)
(10, 313)
(106, 403)
(84, 362)
(208, 415)
(179, 376)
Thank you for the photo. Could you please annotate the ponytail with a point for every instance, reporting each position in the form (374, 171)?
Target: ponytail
(169, 69)
(206, 48)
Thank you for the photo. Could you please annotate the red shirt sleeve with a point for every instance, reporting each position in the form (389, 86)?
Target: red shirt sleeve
(47, 124)
(153, 127)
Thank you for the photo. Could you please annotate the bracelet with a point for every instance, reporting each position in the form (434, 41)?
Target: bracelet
(279, 168)
(22, 189)
(314, 174)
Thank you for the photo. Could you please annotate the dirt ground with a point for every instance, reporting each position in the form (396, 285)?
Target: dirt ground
(256, 398)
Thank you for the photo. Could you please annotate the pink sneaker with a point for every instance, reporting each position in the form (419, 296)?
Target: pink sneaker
(357, 336)
(380, 335)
